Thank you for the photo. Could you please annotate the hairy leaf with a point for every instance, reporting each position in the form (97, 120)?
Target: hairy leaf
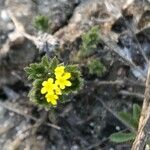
(136, 113)
(53, 64)
(128, 119)
(45, 61)
(120, 137)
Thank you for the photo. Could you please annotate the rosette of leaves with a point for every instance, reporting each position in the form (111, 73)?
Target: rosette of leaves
(96, 67)
(42, 23)
(39, 72)
(90, 40)
(131, 120)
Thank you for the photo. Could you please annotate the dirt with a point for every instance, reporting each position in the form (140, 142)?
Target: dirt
(86, 121)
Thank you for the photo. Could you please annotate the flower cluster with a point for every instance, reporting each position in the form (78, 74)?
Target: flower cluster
(52, 88)
(52, 81)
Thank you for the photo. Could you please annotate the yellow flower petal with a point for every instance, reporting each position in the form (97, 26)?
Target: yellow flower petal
(57, 89)
(48, 100)
(54, 102)
(50, 80)
(58, 76)
(56, 83)
(62, 86)
(58, 92)
(49, 95)
(44, 83)
(67, 75)
(68, 83)
(43, 90)
(59, 70)
(52, 98)
(55, 96)
(50, 92)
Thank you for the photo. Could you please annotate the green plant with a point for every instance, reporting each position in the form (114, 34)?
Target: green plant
(90, 41)
(131, 120)
(42, 23)
(96, 67)
(52, 81)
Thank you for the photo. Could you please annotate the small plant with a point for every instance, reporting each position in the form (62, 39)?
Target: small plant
(90, 41)
(52, 81)
(131, 120)
(96, 67)
(41, 23)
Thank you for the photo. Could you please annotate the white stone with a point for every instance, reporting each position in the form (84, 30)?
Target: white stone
(4, 15)
(117, 128)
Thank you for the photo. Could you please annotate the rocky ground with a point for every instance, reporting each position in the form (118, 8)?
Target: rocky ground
(87, 120)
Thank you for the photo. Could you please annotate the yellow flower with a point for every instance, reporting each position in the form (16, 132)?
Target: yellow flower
(53, 89)
(48, 86)
(52, 98)
(57, 89)
(62, 81)
(59, 71)
(62, 77)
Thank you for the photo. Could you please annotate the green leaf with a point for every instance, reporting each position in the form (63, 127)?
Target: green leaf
(41, 70)
(45, 61)
(136, 112)
(35, 71)
(35, 94)
(120, 137)
(31, 76)
(37, 83)
(53, 64)
(41, 23)
(128, 119)
(28, 70)
(72, 68)
(90, 41)
(96, 67)
(76, 80)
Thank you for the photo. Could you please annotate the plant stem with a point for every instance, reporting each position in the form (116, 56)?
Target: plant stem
(144, 123)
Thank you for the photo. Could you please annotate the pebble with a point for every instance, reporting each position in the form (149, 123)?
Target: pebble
(147, 147)
(39, 137)
(92, 124)
(75, 147)
(10, 26)
(4, 15)
(117, 128)
(11, 114)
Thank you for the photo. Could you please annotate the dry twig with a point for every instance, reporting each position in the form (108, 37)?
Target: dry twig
(96, 144)
(119, 82)
(115, 48)
(144, 123)
(114, 114)
(9, 106)
(14, 144)
(40, 41)
(132, 94)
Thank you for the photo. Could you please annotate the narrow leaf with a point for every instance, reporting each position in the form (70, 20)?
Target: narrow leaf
(45, 61)
(54, 63)
(71, 67)
(127, 118)
(136, 112)
(28, 70)
(122, 137)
